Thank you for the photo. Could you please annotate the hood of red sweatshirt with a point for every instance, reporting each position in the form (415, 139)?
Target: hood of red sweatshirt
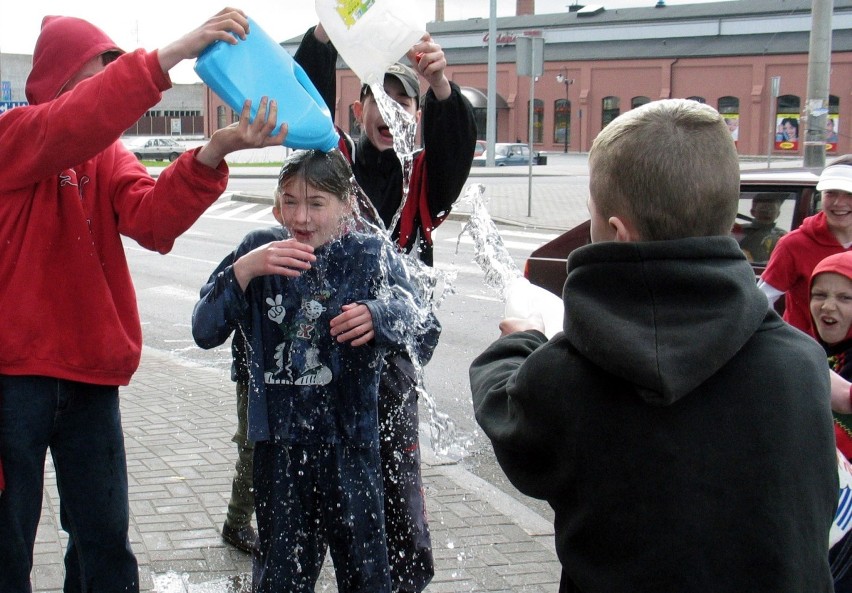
(816, 227)
(64, 46)
(839, 263)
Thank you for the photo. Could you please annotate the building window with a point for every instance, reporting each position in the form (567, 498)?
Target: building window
(538, 120)
(221, 117)
(787, 123)
(610, 110)
(697, 99)
(562, 122)
(729, 107)
(638, 102)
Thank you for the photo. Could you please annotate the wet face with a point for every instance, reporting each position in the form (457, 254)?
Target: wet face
(837, 206)
(88, 70)
(368, 115)
(831, 306)
(312, 216)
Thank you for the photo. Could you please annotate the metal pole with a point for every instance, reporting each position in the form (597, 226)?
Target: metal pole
(774, 89)
(819, 70)
(491, 99)
(530, 132)
(567, 115)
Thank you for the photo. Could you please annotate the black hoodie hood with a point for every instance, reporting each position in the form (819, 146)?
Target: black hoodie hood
(669, 323)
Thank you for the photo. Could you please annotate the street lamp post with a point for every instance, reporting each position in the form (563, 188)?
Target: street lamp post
(562, 79)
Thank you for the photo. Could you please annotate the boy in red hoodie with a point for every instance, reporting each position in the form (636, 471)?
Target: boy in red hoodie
(71, 332)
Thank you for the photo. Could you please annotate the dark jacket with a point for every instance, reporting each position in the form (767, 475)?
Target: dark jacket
(439, 171)
(305, 387)
(680, 430)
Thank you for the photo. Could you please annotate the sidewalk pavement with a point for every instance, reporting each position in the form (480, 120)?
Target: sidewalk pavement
(178, 420)
(555, 199)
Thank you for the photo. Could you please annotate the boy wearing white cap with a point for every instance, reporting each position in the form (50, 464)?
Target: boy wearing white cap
(797, 253)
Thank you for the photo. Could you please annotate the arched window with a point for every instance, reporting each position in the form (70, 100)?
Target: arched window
(697, 99)
(538, 120)
(562, 122)
(787, 130)
(610, 109)
(729, 107)
(638, 101)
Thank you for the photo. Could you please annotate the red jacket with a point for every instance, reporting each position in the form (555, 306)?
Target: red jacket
(68, 191)
(791, 263)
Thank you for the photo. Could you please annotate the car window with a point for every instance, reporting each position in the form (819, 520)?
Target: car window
(501, 150)
(762, 219)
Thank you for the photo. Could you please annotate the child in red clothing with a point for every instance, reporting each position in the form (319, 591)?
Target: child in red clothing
(828, 232)
(831, 319)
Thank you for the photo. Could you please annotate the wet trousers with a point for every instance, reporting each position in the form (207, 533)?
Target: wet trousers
(408, 540)
(310, 498)
(81, 425)
(241, 503)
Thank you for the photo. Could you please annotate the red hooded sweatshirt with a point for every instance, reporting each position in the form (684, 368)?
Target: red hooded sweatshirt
(792, 262)
(838, 354)
(68, 191)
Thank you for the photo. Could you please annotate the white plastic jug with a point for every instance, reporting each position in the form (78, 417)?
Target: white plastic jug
(259, 67)
(370, 35)
(524, 299)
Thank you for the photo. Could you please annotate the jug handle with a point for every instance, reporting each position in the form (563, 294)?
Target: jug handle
(304, 80)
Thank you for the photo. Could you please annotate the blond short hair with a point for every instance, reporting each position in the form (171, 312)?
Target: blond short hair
(670, 167)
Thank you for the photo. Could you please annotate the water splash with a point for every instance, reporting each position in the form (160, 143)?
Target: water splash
(433, 286)
(490, 254)
(403, 127)
(522, 299)
(172, 582)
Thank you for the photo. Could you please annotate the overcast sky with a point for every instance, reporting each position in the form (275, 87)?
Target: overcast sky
(150, 25)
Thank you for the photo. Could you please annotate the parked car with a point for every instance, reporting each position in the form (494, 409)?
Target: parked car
(794, 191)
(155, 149)
(481, 145)
(506, 154)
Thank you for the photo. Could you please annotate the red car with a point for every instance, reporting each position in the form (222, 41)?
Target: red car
(772, 202)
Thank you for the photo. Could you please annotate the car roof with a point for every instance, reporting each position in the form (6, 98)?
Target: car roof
(797, 176)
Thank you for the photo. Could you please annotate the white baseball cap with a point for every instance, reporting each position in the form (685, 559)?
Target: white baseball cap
(837, 178)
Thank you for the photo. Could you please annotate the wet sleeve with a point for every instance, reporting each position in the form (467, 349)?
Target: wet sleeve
(402, 314)
(449, 139)
(521, 401)
(221, 305)
(319, 61)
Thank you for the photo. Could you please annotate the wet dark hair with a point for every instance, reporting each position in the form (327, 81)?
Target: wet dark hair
(327, 171)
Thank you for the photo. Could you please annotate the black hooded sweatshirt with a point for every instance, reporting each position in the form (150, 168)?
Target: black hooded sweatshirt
(680, 430)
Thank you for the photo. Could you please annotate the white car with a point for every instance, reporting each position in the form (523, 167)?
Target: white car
(156, 149)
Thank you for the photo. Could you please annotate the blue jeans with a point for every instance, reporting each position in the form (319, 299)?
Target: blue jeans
(81, 425)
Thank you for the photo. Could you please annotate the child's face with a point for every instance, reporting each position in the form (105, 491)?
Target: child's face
(312, 216)
(831, 306)
(837, 206)
(368, 114)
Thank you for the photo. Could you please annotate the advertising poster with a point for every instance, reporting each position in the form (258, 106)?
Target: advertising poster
(732, 120)
(787, 132)
(832, 124)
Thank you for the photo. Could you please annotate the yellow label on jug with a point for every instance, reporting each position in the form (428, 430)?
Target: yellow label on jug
(352, 10)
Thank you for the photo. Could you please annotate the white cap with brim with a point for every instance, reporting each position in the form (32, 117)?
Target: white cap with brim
(836, 178)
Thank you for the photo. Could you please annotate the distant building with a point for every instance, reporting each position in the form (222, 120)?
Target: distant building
(179, 113)
(599, 63)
